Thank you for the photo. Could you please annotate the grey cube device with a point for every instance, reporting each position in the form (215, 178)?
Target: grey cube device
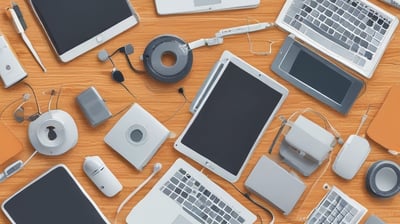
(274, 184)
(93, 106)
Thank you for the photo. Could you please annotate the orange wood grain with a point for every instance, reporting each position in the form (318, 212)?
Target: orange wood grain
(162, 100)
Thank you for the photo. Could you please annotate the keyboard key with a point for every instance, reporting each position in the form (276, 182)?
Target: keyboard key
(200, 203)
(337, 207)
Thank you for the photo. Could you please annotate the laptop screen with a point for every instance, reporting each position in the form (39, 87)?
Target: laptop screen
(232, 118)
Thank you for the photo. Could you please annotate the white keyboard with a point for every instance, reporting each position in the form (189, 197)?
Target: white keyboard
(337, 208)
(355, 30)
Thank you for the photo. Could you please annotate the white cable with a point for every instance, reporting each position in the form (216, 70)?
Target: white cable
(30, 158)
(363, 119)
(157, 167)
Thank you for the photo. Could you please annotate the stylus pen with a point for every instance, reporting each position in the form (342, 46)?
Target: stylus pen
(394, 3)
(20, 25)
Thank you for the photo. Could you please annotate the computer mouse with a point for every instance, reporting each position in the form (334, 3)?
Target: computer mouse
(101, 176)
(53, 133)
(351, 156)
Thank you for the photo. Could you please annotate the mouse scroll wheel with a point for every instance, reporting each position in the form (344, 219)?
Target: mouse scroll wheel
(52, 135)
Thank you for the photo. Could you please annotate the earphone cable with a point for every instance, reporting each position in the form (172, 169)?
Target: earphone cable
(35, 96)
(132, 67)
(248, 196)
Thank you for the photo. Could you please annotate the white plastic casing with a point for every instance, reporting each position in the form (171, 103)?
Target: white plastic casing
(11, 71)
(101, 176)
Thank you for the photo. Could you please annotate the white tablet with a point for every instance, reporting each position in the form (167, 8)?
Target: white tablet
(238, 104)
(165, 7)
(75, 26)
(53, 197)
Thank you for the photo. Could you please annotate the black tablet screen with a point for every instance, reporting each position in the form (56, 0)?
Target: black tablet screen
(69, 23)
(232, 118)
(54, 198)
(320, 77)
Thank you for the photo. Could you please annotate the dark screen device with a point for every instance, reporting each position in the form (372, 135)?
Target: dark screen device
(239, 104)
(317, 76)
(75, 26)
(53, 197)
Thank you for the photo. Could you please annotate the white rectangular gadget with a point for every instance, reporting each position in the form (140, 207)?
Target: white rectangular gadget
(353, 32)
(184, 195)
(165, 7)
(235, 111)
(137, 136)
(11, 71)
(53, 197)
(270, 181)
(75, 27)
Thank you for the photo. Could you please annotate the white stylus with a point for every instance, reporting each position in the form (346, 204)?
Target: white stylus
(219, 36)
(20, 25)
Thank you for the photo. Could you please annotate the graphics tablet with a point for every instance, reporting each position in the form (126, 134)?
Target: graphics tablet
(317, 76)
(238, 105)
(75, 26)
(53, 197)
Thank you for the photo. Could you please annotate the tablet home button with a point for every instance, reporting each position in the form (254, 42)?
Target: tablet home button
(99, 38)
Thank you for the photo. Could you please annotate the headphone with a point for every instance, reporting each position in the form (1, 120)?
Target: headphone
(116, 74)
(156, 168)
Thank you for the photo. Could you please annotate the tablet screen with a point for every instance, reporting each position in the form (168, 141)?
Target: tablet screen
(234, 115)
(69, 23)
(55, 197)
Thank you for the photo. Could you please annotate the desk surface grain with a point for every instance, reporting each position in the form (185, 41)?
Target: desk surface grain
(162, 100)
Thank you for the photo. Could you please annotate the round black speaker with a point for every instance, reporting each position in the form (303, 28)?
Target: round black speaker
(383, 179)
(168, 45)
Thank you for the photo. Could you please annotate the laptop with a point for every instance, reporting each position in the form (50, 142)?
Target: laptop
(184, 195)
(232, 110)
(353, 32)
(166, 7)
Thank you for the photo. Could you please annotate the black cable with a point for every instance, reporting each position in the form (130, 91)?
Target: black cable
(247, 195)
(35, 96)
(182, 92)
(131, 66)
(127, 89)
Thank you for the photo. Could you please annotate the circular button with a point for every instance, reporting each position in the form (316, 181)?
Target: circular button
(386, 179)
(99, 38)
(136, 135)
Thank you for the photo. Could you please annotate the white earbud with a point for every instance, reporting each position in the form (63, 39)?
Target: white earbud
(157, 167)
(103, 55)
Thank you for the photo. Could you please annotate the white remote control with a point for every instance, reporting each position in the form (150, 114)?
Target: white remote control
(11, 71)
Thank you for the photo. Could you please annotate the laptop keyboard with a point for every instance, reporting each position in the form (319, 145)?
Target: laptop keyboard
(337, 207)
(198, 201)
(352, 28)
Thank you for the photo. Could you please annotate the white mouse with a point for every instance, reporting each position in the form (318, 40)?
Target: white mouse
(101, 176)
(352, 155)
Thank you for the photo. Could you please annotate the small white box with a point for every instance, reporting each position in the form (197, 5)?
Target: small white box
(137, 136)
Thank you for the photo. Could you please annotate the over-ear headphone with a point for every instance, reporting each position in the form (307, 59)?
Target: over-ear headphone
(156, 168)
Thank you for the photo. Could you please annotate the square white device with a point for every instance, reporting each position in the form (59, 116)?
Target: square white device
(137, 136)
(194, 6)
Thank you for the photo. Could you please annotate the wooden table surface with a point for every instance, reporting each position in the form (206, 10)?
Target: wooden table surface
(162, 100)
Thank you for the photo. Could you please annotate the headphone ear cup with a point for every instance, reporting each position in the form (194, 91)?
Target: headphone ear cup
(128, 49)
(19, 114)
(117, 76)
(103, 55)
